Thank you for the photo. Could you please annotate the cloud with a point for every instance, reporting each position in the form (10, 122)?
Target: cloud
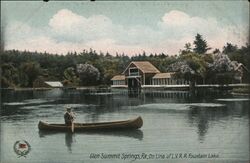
(180, 25)
(69, 31)
(68, 26)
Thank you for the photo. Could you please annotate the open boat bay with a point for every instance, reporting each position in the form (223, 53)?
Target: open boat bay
(176, 127)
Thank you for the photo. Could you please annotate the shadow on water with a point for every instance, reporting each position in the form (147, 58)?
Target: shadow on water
(135, 134)
(70, 139)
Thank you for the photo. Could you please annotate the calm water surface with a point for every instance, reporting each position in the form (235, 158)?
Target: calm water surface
(174, 123)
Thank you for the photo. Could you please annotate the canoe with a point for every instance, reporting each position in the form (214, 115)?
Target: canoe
(115, 125)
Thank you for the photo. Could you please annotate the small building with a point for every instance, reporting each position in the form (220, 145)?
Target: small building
(167, 79)
(54, 84)
(118, 80)
(242, 73)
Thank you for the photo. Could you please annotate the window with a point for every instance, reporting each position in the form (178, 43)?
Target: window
(133, 72)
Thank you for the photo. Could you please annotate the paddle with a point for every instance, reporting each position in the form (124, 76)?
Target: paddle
(72, 122)
(72, 126)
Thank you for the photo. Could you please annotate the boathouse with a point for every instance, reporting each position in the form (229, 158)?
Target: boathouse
(139, 73)
(142, 73)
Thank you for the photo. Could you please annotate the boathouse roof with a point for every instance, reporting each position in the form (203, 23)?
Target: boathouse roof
(144, 66)
(118, 77)
(163, 75)
(54, 84)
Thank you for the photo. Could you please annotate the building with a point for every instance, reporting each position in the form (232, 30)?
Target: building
(47, 84)
(167, 79)
(53, 84)
(242, 74)
(141, 73)
(118, 81)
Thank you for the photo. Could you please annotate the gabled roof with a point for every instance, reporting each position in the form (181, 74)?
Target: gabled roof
(54, 83)
(144, 66)
(118, 77)
(241, 65)
(163, 75)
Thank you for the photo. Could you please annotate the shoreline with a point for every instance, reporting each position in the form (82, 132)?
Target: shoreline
(234, 91)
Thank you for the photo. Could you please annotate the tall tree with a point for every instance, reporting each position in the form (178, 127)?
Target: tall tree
(200, 44)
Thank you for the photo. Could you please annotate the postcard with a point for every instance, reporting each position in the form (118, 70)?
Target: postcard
(124, 81)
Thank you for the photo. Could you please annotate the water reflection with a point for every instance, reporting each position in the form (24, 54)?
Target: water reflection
(92, 117)
(134, 92)
(198, 117)
(134, 134)
(69, 141)
(204, 117)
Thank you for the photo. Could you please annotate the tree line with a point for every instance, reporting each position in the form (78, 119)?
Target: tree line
(30, 69)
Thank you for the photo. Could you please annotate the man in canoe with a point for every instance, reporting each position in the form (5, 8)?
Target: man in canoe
(69, 116)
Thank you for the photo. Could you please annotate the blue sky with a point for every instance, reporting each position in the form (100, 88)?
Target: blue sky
(129, 27)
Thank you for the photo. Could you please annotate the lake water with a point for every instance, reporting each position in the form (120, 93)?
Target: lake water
(178, 127)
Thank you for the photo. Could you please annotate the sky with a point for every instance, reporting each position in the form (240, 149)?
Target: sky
(128, 27)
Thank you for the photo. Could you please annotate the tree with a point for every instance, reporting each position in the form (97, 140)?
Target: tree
(223, 69)
(70, 77)
(190, 67)
(32, 70)
(9, 75)
(200, 44)
(187, 49)
(89, 75)
(229, 48)
(216, 51)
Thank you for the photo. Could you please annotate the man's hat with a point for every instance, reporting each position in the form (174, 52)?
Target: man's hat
(68, 108)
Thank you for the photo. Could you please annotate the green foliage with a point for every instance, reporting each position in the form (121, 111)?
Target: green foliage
(31, 70)
(216, 51)
(23, 68)
(229, 48)
(9, 75)
(187, 49)
(197, 64)
(224, 78)
(241, 55)
(71, 79)
(200, 44)
(88, 74)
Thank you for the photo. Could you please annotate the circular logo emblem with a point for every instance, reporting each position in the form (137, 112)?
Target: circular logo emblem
(22, 148)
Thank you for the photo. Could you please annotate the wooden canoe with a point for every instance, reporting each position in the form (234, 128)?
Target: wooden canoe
(116, 125)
